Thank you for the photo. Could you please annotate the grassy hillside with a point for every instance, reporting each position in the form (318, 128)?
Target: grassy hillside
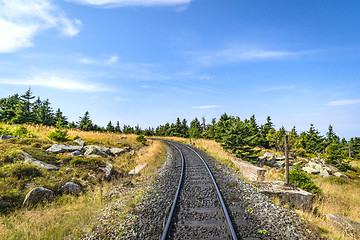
(67, 216)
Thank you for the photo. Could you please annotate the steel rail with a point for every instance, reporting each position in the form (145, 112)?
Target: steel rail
(233, 234)
(168, 222)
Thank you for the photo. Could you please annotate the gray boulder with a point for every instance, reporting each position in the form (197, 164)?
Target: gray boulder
(6, 137)
(49, 167)
(38, 194)
(108, 170)
(60, 148)
(75, 153)
(97, 150)
(117, 151)
(70, 188)
(351, 227)
(80, 142)
(341, 175)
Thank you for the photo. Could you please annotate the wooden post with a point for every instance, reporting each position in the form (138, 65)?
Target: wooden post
(349, 150)
(286, 159)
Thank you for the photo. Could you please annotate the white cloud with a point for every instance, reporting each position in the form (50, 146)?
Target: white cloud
(113, 59)
(22, 20)
(205, 107)
(58, 82)
(108, 61)
(240, 54)
(144, 86)
(344, 102)
(204, 77)
(122, 3)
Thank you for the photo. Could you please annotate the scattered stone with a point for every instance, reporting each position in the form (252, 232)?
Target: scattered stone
(49, 167)
(269, 155)
(331, 168)
(288, 194)
(75, 153)
(38, 194)
(80, 142)
(324, 173)
(6, 137)
(60, 148)
(108, 170)
(341, 175)
(138, 169)
(349, 226)
(97, 150)
(132, 152)
(70, 188)
(117, 151)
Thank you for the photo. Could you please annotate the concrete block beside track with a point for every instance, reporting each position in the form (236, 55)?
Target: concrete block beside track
(253, 173)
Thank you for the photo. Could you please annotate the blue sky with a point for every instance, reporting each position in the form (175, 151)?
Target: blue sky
(148, 62)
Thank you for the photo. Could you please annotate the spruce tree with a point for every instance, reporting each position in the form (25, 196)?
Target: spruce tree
(195, 128)
(110, 127)
(85, 123)
(117, 127)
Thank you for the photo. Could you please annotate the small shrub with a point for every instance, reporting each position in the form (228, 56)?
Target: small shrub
(4, 131)
(22, 132)
(11, 156)
(303, 181)
(87, 162)
(25, 170)
(141, 138)
(58, 135)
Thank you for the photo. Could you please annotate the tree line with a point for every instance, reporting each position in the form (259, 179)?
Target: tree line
(244, 137)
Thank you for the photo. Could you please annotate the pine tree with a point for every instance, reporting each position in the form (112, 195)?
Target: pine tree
(312, 141)
(85, 123)
(117, 127)
(8, 108)
(195, 128)
(61, 120)
(110, 127)
(23, 111)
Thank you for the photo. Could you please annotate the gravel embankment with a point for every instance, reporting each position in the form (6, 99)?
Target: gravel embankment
(253, 215)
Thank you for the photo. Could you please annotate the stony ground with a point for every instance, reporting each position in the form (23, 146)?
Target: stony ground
(253, 214)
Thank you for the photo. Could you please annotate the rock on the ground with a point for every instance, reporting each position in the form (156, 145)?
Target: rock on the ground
(37, 195)
(97, 150)
(70, 188)
(316, 168)
(75, 153)
(80, 142)
(60, 148)
(117, 151)
(49, 167)
(287, 194)
(341, 175)
(138, 169)
(108, 170)
(6, 137)
(351, 227)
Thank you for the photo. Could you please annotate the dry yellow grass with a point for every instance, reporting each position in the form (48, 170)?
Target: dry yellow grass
(70, 216)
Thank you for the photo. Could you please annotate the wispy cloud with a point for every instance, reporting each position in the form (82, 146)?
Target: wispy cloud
(144, 86)
(58, 82)
(108, 61)
(205, 107)
(122, 3)
(204, 77)
(233, 54)
(344, 102)
(22, 20)
(278, 88)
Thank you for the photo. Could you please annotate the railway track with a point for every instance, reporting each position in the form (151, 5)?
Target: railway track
(198, 210)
